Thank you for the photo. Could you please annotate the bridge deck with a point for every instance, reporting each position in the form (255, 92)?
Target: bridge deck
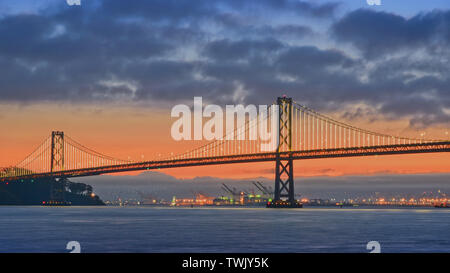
(436, 147)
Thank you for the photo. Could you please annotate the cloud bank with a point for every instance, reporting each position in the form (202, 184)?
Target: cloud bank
(230, 52)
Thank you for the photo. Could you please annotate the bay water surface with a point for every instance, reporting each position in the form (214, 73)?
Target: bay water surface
(232, 230)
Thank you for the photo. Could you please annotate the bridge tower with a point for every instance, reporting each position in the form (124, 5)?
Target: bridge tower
(57, 189)
(57, 153)
(284, 167)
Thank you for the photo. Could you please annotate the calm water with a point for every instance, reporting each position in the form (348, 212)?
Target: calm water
(143, 229)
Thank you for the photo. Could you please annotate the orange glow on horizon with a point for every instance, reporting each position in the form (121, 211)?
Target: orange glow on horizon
(144, 134)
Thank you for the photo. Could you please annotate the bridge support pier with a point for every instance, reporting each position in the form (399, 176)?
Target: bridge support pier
(284, 166)
(284, 180)
(58, 187)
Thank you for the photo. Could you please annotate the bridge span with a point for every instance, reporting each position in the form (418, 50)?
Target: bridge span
(302, 134)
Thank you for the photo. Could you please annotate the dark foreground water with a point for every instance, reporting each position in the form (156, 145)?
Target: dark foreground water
(145, 229)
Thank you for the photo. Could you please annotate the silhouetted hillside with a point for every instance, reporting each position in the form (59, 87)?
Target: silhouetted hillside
(37, 191)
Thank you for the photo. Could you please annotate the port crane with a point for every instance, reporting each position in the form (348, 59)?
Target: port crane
(261, 188)
(234, 194)
(267, 191)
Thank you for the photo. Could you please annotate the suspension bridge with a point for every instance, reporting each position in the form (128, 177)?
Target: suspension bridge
(302, 133)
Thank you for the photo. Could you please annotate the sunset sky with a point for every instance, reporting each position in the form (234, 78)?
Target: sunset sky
(107, 73)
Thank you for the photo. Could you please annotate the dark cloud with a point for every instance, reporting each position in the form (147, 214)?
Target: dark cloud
(118, 50)
(298, 7)
(226, 50)
(181, 10)
(325, 10)
(229, 51)
(159, 10)
(291, 31)
(302, 61)
(378, 33)
(411, 58)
